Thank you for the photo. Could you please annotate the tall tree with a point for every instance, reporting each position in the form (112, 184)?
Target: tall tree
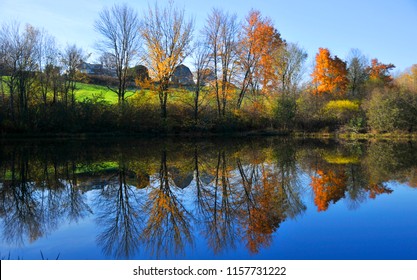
(19, 51)
(330, 74)
(221, 31)
(358, 72)
(48, 65)
(119, 27)
(288, 64)
(200, 58)
(257, 42)
(379, 72)
(167, 35)
(72, 58)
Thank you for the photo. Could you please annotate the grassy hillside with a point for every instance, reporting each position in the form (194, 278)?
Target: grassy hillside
(90, 91)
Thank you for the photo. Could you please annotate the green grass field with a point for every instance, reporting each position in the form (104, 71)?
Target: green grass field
(97, 92)
(90, 91)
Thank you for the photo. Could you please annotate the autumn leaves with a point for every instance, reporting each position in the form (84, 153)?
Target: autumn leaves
(330, 74)
(245, 77)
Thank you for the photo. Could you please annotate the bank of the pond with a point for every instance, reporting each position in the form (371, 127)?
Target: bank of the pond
(173, 134)
(93, 136)
(357, 136)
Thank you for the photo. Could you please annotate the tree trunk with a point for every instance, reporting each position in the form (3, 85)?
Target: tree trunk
(196, 97)
(163, 97)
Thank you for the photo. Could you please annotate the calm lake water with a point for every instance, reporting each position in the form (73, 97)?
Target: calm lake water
(255, 198)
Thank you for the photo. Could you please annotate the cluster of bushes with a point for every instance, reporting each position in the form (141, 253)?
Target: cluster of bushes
(383, 110)
(99, 116)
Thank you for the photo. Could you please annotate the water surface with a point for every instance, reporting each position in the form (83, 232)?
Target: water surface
(255, 198)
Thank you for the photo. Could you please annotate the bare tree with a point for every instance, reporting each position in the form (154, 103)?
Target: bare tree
(221, 36)
(167, 35)
(48, 73)
(357, 72)
(72, 58)
(19, 58)
(119, 27)
(288, 64)
(200, 59)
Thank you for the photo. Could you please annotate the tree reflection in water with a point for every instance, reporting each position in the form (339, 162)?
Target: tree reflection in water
(343, 175)
(157, 198)
(38, 195)
(118, 206)
(167, 230)
(271, 193)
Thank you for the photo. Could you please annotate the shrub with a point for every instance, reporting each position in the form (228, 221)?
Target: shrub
(345, 114)
(285, 112)
(308, 115)
(383, 111)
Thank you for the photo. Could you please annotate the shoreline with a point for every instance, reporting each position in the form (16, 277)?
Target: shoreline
(255, 133)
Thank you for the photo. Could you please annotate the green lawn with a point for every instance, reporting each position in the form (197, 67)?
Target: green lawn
(90, 91)
(102, 93)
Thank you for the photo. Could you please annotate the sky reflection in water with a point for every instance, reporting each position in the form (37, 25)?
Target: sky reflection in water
(221, 199)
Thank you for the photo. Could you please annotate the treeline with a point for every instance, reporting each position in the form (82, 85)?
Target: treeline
(246, 77)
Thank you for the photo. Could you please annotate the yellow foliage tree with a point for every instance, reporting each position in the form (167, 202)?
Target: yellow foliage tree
(167, 36)
(408, 79)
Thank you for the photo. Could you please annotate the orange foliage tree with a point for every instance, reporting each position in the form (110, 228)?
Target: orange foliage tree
(328, 186)
(379, 72)
(330, 74)
(377, 189)
(257, 42)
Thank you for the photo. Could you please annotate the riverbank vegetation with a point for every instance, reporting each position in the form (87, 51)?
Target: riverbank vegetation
(245, 77)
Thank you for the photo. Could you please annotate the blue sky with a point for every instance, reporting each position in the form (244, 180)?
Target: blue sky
(386, 30)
